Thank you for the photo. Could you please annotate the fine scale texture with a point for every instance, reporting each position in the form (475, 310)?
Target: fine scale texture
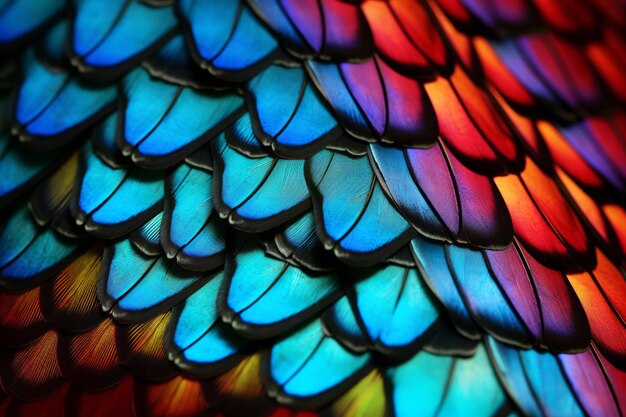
(293, 208)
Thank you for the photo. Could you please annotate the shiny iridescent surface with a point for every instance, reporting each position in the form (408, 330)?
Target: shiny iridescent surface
(292, 208)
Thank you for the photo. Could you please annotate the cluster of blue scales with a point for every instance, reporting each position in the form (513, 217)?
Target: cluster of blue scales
(223, 187)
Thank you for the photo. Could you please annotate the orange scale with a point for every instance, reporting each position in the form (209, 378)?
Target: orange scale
(390, 39)
(587, 206)
(525, 128)
(179, 396)
(140, 347)
(568, 158)
(487, 117)
(243, 381)
(547, 196)
(528, 223)
(240, 385)
(501, 77)
(33, 372)
(459, 131)
(420, 28)
(543, 220)
(461, 43)
(21, 319)
(366, 398)
(69, 300)
(607, 330)
(612, 283)
(93, 359)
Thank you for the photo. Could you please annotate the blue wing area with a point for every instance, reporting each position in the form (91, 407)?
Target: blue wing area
(38, 89)
(147, 238)
(432, 263)
(112, 202)
(173, 63)
(17, 233)
(265, 296)
(89, 32)
(53, 107)
(138, 197)
(375, 103)
(200, 341)
(447, 341)
(340, 320)
(430, 385)
(19, 167)
(257, 193)
(181, 119)
(104, 145)
(359, 223)
(201, 159)
(299, 242)
(241, 137)
(272, 12)
(211, 39)
(235, 45)
(123, 33)
(311, 368)
(51, 49)
(288, 115)
(329, 81)
(535, 381)
(190, 232)
(135, 287)
(346, 184)
(407, 317)
(490, 308)
(21, 17)
(391, 166)
(30, 253)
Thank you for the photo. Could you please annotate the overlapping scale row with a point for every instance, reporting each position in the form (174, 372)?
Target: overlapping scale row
(281, 207)
(53, 107)
(235, 45)
(20, 20)
(153, 112)
(374, 102)
(109, 39)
